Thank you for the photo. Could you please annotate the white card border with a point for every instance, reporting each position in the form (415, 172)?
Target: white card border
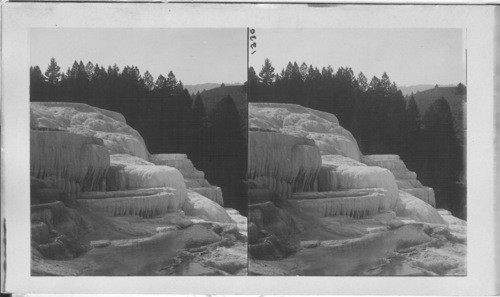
(18, 18)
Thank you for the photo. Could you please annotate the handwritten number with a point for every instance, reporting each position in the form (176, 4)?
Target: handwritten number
(252, 37)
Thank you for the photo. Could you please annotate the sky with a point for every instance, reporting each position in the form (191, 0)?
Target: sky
(205, 55)
(216, 55)
(409, 56)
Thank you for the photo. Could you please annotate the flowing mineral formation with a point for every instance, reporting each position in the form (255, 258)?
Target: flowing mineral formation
(92, 178)
(194, 179)
(325, 188)
(405, 179)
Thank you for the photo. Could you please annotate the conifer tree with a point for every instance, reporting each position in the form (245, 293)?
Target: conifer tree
(412, 136)
(37, 84)
(52, 73)
(161, 83)
(362, 82)
(252, 85)
(266, 74)
(89, 70)
(442, 155)
(171, 82)
(303, 71)
(385, 83)
(228, 153)
(149, 81)
(199, 132)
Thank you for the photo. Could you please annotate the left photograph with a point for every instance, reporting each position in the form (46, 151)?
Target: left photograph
(138, 149)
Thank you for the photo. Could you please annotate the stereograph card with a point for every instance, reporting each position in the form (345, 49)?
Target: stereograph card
(248, 149)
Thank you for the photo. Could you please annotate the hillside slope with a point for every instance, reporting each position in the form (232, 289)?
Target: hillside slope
(193, 89)
(407, 90)
(456, 101)
(213, 96)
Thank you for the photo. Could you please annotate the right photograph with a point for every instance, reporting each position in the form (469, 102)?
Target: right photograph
(357, 152)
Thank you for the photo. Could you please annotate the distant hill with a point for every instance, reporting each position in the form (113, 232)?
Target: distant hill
(201, 87)
(456, 101)
(407, 90)
(213, 96)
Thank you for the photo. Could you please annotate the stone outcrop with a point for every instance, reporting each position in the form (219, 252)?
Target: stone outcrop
(67, 161)
(302, 122)
(77, 118)
(341, 203)
(342, 173)
(405, 179)
(98, 194)
(352, 203)
(282, 163)
(193, 178)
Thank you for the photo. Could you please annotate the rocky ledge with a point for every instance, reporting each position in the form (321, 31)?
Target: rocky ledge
(101, 204)
(320, 207)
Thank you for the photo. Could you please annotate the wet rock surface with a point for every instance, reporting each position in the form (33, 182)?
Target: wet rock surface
(102, 205)
(155, 246)
(346, 215)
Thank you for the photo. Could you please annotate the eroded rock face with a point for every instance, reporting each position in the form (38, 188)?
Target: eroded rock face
(145, 204)
(282, 163)
(99, 197)
(406, 180)
(361, 208)
(276, 163)
(68, 161)
(194, 179)
(417, 209)
(135, 173)
(298, 121)
(207, 209)
(355, 204)
(86, 120)
(342, 173)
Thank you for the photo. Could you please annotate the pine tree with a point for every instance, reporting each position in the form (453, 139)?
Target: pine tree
(414, 123)
(412, 136)
(288, 70)
(52, 73)
(37, 84)
(171, 82)
(460, 89)
(266, 74)
(251, 86)
(199, 108)
(303, 71)
(442, 154)
(179, 88)
(228, 153)
(385, 83)
(149, 81)
(82, 74)
(327, 73)
(89, 70)
(362, 82)
(161, 82)
(199, 132)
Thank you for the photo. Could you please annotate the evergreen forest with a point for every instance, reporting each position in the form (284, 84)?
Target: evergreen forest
(381, 118)
(163, 112)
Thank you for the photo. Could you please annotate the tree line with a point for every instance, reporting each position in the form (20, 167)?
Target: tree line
(163, 112)
(381, 119)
